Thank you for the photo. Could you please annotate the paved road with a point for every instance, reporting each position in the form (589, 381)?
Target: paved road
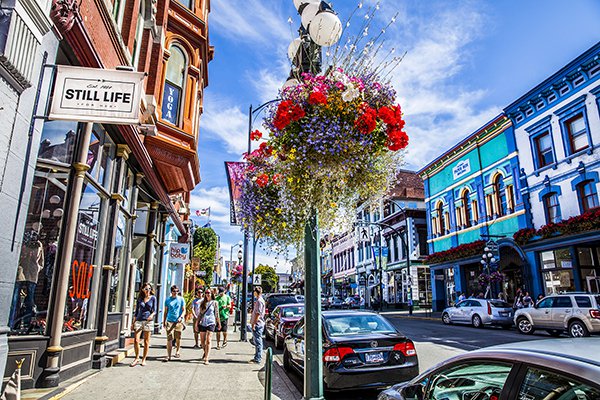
(435, 342)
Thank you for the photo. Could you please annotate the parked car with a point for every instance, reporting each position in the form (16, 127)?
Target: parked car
(479, 312)
(361, 349)
(576, 313)
(336, 302)
(280, 322)
(552, 369)
(324, 303)
(275, 299)
(351, 302)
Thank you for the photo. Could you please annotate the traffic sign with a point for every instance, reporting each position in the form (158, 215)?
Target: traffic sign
(257, 279)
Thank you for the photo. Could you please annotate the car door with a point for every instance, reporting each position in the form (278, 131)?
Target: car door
(541, 384)
(562, 308)
(541, 315)
(472, 308)
(457, 313)
(297, 347)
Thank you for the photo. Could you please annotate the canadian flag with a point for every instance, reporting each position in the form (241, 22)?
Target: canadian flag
(204, 211)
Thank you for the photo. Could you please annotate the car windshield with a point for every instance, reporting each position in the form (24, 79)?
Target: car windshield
(277, 300)
(290, 312)
(500, 304)
(342, 325)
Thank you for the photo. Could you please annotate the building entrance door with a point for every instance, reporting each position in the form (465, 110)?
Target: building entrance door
(513, 280)
(593, 284)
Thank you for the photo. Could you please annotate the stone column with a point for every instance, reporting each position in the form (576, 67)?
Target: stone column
(50, 376)
(98, 358)
(149, 254)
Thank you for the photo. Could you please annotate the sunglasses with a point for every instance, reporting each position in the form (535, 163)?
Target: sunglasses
(174, 291)
(146, 288)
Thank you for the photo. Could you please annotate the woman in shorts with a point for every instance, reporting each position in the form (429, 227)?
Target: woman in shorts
(143, 322)
(208, 321)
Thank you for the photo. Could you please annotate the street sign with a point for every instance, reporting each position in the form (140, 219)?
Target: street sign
(363, 234)
(257, 279)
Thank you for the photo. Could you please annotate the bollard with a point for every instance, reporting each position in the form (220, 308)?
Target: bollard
(268, 374)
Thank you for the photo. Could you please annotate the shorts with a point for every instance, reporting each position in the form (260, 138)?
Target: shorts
(208, 328)
(174, 329)
(223, 325)
(145, 326)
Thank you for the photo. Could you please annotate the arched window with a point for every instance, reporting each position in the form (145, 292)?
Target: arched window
(500, 195)
(588, 197)
(174, 90)
(441, 218)
(466, 206)
(139, 30)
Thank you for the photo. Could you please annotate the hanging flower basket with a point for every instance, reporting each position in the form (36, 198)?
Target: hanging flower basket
(486, 279)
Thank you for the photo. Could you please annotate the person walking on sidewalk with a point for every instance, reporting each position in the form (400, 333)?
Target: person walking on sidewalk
(143, 322)
(196, 312)
(258, 324)
(173, 321)
(208, 321)
(224, 306)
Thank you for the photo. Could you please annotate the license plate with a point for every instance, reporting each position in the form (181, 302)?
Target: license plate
(375, 357)
(504, 313)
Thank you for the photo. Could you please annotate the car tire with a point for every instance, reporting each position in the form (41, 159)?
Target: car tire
(524, 326)
(578, 329)
(554, 332)
(446, 319)
(476, 321)
(286, 360)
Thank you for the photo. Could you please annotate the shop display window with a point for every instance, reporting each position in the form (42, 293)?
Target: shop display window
(37, 262)
(424, 285)
(118, 275)
(58, 141)
(99, 155)
(557, 266)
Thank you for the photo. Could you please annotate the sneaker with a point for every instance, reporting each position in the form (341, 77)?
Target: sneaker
(253, 361)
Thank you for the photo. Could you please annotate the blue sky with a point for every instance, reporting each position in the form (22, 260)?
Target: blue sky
(465, 61)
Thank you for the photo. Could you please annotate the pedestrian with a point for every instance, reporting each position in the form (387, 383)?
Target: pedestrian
(461, 296)
(539, 298)
(208, 321)
(410, 306)
(173, 321)
(502, 296)
(518, 303)
(257, 322)
(143, 322)
(224, 309)
(480, 295)
(527, 300)
(195, 312)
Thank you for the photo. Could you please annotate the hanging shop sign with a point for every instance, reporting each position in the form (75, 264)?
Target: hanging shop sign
(179, 253)
(96, 95)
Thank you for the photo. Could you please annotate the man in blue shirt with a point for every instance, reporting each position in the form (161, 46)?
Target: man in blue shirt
(173, 320)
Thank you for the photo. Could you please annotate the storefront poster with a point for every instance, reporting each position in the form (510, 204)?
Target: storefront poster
(96, 95)
(179, 253)
(87, 230)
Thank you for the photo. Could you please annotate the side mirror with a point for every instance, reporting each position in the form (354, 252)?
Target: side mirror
(412, 392)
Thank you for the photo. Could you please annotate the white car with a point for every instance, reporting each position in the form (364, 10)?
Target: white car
(479, 312)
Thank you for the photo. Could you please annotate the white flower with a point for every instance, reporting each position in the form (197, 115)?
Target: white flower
(350, 93)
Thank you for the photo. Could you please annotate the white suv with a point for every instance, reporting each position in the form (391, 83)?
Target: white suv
(576, 313)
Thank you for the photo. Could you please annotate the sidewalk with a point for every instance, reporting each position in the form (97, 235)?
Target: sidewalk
(417, 314)
(229, 375)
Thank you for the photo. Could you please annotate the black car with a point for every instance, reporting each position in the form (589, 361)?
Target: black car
(361, 350)
(276, 299)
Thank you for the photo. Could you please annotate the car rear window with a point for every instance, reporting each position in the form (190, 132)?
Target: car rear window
(342, 325)
(500, 304)
(290, 312)
(583, 301)
(277, 300)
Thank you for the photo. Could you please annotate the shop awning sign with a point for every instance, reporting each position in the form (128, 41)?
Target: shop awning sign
(96, 95)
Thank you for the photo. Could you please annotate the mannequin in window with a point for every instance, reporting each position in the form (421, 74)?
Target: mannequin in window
(30, 265)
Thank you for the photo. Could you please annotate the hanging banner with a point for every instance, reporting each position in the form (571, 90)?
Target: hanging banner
(96, 95)
(179, 253)
(235, 178)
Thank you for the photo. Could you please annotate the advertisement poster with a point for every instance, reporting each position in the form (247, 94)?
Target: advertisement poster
(235, 178)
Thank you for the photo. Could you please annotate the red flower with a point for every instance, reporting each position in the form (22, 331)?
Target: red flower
(262, 180)
(277, 179)
(366, 122)
(392, 116)
(317, 98)
(286, 113)
(297, 113)
(397, 139)
(265, 149)
(255, 135)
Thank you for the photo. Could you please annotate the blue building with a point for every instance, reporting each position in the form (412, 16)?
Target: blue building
(557, 131)
(472, 195)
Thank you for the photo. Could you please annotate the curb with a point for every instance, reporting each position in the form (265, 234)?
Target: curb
(414, 317)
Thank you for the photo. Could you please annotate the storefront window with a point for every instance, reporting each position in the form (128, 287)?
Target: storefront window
(38, 253)
(589, 269)
(424, 285)
(99, 154)
(58, 141)
(558, 270)
(82, 262)
(120, 264)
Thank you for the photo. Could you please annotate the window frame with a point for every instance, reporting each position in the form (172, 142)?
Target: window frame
(536, 132)
(545, 201)
(582, 197)
(182, 94)
(566, 115)
(499, 186)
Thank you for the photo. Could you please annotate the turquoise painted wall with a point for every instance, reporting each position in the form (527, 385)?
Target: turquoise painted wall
(442, 244)
(506, 227)
(494, 150)
(468, 237)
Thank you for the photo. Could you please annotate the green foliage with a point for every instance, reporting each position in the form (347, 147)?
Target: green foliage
(205, 248)
(188, 297)
(269, 278)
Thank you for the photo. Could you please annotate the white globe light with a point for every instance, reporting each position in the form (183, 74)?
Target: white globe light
(490, 255)
(483, 261)
(325, 29)
(293, 48)
(309, 12)
(298, 3)
(290, 82)
(493, 259)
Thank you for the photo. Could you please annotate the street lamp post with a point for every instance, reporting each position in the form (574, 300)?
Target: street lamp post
(486, 259)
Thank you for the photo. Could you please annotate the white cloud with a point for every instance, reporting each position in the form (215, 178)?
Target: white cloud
(225, 122)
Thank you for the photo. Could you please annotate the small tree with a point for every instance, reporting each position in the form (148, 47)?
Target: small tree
(205, 248)
(269, 278)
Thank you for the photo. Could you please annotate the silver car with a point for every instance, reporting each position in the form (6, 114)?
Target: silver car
(479, 312)
(576, 313)
(553, 369)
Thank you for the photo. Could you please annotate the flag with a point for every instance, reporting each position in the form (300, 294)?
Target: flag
(12, 391)
(204, 211)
